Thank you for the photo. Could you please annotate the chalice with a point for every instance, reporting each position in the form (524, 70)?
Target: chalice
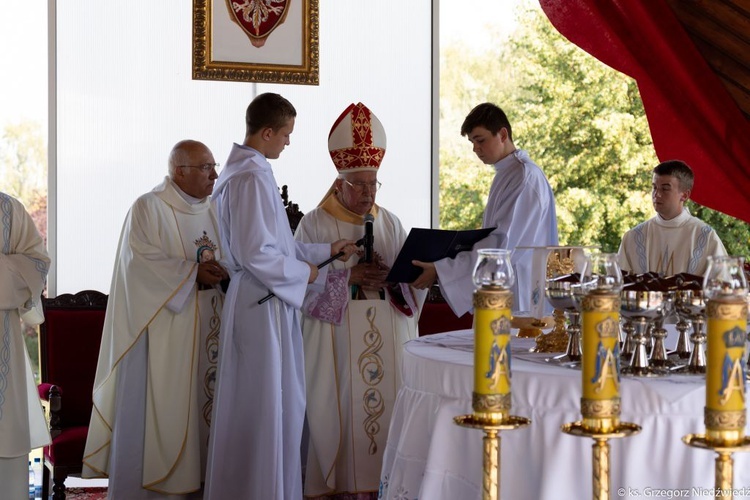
(659, 356)
(641, 306)
(563, 293)
(690, 304)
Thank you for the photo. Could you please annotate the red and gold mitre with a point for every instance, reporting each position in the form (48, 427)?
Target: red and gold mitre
(357, 140)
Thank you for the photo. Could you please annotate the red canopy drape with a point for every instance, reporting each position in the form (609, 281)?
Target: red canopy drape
(691, 115)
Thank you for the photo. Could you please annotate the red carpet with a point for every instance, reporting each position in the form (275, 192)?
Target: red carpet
(86, 493)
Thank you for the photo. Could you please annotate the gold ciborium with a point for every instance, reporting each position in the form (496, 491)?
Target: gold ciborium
(562, 277)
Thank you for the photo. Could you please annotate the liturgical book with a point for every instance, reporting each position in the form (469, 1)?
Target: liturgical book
(429, 245)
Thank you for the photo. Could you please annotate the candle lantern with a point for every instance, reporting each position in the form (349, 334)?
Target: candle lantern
(725, 288)
(725, 292)
(601, 283)
(493, 276)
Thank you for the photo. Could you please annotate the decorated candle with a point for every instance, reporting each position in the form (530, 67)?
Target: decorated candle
(725, 289)
(492, 354)
(601, 283)
(600, 404)
(492, 300)
(725, 370)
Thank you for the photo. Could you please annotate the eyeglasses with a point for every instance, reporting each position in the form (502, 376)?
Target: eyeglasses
(359, 187)
(205, 168)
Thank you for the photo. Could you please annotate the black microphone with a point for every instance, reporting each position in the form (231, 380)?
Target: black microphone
(369, 238)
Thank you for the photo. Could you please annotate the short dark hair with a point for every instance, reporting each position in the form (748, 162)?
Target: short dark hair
(268, 110)
(678, 169)
(489, 116)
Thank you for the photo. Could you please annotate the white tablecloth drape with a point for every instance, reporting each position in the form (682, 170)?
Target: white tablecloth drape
(429, 457)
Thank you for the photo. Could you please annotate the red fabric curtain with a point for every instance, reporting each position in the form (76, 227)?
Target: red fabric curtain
(691, 115)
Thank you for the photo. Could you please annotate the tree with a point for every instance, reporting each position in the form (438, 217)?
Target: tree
(23, 169)
(580, 120)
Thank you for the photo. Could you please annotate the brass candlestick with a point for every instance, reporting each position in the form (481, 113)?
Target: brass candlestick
(601, 283)
(491, 399)
(725, 289)
(600, 451)
(491, 448)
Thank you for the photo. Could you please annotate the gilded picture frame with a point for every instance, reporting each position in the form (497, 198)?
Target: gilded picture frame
(268, 41)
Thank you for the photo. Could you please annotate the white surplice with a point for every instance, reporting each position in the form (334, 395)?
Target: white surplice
(23, 270)
(352, 356)
(668, 247)
(254, 450)
(160, 327)
(521, 206)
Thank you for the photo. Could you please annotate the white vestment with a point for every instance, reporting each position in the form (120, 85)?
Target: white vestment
(521, 206)
(352, 356)
(23, 270)
(150, 438)
(254, 451)
(668, 247)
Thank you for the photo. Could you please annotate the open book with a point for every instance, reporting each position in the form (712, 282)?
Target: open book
(429, 245)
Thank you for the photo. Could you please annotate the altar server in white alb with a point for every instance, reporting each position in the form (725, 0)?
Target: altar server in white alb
(260, 393)
(521, 206)
(673, 241)
(154, 383)
(23, 271)
(354, 329)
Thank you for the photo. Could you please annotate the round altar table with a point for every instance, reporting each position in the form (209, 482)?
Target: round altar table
(427, 456)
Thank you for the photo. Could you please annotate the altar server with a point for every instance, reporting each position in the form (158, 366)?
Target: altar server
(672, 241)
(520, 206)
(260, 394)
(153, 391)
(23, 271)
(354, 329)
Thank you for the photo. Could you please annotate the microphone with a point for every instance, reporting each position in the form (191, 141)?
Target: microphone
(369, 238)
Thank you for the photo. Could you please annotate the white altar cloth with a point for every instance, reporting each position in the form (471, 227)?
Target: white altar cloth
(429, 457)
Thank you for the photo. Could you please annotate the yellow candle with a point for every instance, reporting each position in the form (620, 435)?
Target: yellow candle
(600, 369)
(601, 356)
(492, 354)
(725, 375)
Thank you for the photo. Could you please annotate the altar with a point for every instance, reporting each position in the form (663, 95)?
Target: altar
(429, 457)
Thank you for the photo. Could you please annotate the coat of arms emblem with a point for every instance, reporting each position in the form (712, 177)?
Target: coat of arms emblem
(258, 18)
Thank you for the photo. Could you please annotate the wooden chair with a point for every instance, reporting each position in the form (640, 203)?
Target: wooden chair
(69, 342)
(438, 317)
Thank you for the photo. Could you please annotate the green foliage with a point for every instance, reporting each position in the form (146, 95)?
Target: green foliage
(23, 169)
(582, 122)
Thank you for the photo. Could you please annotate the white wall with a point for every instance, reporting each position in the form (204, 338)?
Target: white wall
(123, 94)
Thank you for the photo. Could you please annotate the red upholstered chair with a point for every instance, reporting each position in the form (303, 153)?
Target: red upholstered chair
(69, 342)
(438, 317)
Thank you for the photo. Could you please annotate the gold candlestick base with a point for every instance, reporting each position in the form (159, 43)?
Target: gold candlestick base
(491, 448)
(724, 465)
(600, 451)
(557, 339)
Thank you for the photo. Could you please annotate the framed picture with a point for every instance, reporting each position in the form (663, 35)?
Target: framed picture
(269, 41)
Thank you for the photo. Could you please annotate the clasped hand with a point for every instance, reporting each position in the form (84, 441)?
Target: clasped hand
(211, 273)
(370, 275)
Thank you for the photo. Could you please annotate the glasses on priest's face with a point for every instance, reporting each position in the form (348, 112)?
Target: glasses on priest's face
(205, 168)
(359, 187)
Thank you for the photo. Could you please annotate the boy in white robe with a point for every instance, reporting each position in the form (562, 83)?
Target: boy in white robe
(353, 330)
(260, 390)
(23, 272)
(153, 389)
(673, 241)
(521, 206)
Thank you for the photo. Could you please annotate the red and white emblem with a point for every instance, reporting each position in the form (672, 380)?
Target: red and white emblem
(258, 18)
